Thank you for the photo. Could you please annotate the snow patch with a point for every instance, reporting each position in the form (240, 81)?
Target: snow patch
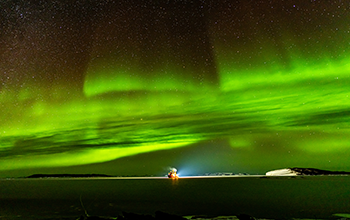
(282, 172)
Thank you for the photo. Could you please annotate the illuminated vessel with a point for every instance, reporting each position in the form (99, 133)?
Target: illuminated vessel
(172, 174)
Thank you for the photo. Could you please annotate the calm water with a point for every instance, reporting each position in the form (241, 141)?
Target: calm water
(262, 197)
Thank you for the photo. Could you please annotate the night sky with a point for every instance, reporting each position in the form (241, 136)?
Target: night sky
(135, 87)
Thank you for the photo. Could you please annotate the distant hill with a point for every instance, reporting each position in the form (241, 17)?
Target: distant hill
(223, 174)
(297, 171)
(66, 175)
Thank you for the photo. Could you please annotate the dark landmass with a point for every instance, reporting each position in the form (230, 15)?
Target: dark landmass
(297, 171)
(294, 171)
(313, 171)
(80, 175)
(66, 175)
(164, 216)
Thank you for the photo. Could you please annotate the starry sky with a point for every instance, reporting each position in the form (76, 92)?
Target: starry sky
(135, 87)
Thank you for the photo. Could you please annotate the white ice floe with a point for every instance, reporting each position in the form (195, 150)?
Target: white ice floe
(282, 172)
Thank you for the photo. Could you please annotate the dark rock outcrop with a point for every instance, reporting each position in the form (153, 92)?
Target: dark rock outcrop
(165, 216)
(297, 171)
(245, 217)
(133, 216)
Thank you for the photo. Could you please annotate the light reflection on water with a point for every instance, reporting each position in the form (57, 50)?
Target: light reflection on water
(261, 197)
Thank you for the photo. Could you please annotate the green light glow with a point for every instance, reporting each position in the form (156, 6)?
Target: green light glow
(276, 94)
(101, 79)
(84, 157)
(240, 142)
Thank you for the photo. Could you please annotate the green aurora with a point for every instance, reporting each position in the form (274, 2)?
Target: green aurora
(264, 92)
